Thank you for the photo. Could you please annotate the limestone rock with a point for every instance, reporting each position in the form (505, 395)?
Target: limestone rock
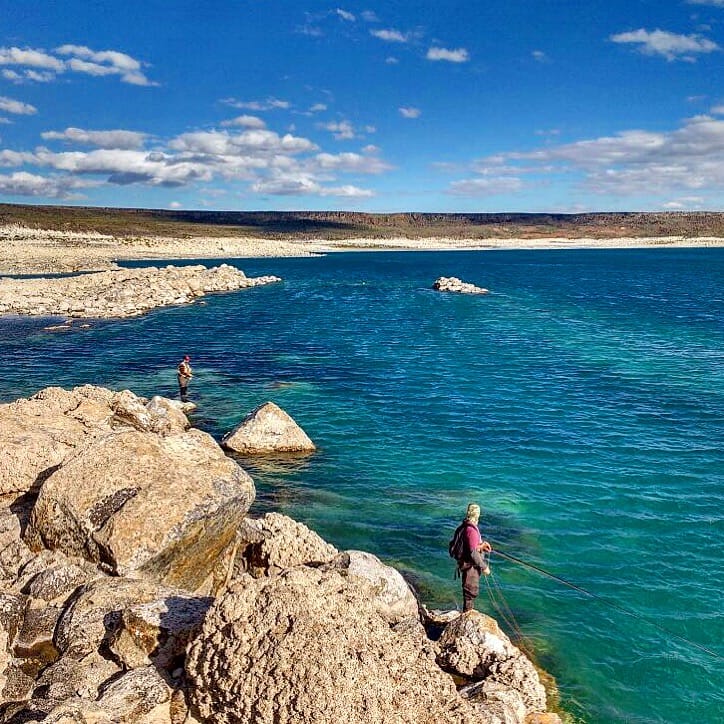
(120, 292)
(52, 576)
(394, 598)
(279, 542)
(473, 646)
(38, 433)
(267, 429)
(157, 632)
(453, 284)
(77, 711)
(309, 646)
(14, 553)
(160, 415)
(139, 697)
(80, 675)
(164, 506)
(169, 415)
(34, 640)
(12, 612)
(92, 618)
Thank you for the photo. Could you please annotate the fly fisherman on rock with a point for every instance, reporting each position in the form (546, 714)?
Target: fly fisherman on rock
(468, 548)
(184, 375)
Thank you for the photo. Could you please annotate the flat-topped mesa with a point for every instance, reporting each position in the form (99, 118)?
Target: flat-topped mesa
(121, 292)
(453, 284)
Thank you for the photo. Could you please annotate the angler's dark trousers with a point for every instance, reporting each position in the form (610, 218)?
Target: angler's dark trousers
(471, 584)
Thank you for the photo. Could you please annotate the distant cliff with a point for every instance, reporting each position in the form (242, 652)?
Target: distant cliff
(347, 224)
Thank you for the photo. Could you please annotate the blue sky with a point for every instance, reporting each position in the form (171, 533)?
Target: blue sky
(521, 105)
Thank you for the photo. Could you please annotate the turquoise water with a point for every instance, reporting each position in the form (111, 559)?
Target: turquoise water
(581, 404)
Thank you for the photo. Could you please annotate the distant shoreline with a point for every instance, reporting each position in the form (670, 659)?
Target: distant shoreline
(47, 251)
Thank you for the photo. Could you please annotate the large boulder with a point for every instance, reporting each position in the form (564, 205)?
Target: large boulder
(158, 631)
(164, 506)
(394, 598)
(267, 429)
(38, 433)
(14, 553)
(473, 646)
(309, 646)
(275, 542)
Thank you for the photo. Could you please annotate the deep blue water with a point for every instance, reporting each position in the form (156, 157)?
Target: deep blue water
(581, 403)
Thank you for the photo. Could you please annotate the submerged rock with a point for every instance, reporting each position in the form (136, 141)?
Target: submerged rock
(268, 429)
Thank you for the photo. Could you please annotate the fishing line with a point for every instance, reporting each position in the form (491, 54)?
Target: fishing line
(606, 602)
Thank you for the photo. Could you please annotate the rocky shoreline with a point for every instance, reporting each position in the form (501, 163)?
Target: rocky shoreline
(122, 292)
(136, 586)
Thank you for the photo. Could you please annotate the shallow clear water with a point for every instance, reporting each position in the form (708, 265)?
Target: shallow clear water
(581, 404)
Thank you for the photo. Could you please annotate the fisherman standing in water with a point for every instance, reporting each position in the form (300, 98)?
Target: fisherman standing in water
(184, 375)
(469, 549)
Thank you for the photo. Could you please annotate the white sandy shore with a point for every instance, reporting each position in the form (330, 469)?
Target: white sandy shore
(32, 251)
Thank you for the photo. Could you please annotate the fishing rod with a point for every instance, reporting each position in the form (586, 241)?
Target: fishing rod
(605, 601)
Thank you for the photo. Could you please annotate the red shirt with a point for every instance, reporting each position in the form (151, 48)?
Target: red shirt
(472, 537)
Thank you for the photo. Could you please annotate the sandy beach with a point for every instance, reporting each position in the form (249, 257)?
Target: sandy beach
(34, 251)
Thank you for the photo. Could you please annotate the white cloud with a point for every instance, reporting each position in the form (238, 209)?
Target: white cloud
(341, 130)
(263, 160)
(345, 15)
(30, 58)
(103, 139)
(104, 62)
(351, 163)
(459, 55)
(175, 205)
(369, 16)
(632, 162)
(389, 35)
(317, 108)
(302, 185)
(10, 158)
(718, 110)
(540, 56)
(255, 141)
(22, 183)
(268, 105)
(669, 45)
(409, 112)
(39, 66)
(685, 202)
(486, 186)
(715, 3)
(390, 60)
(8, 105)
(245, 122)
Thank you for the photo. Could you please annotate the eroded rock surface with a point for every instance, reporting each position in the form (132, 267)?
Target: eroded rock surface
(309, 646)
(275, 542)
(473, 646)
